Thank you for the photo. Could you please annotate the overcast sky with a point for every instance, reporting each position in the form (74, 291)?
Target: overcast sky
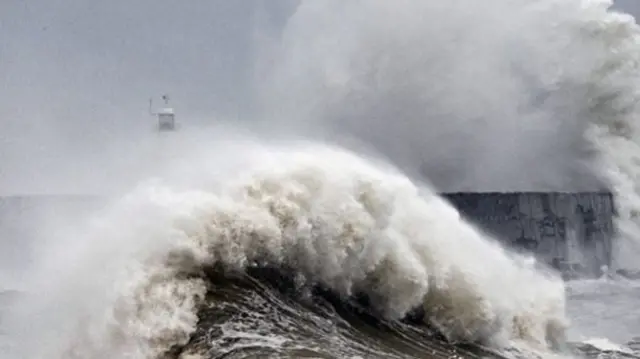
(99, 56)
(630, 6)
(76, 73)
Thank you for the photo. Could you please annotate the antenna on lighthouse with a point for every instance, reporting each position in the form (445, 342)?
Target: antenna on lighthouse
(166, 115)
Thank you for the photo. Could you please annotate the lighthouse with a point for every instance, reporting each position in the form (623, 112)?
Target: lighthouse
(165, 115)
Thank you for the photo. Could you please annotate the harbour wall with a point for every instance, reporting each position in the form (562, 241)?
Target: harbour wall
(573, 232)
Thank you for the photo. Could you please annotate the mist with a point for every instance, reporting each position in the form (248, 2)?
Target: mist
(456, 101)
(77, 77)
(464, 95)
(461, 107)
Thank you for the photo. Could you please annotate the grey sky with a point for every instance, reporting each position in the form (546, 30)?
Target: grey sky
(630, 6)
(101, 55)
(76, 73)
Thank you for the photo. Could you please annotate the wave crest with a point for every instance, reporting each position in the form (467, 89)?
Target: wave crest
(335, 220)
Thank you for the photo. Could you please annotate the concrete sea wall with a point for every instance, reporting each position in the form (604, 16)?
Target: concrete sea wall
(570, 231)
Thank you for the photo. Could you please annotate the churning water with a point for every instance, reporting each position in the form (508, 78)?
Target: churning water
(318, 249)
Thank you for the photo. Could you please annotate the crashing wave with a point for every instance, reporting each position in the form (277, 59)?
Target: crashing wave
(336, 221)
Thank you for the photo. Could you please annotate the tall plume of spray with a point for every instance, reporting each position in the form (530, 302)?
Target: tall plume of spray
(500, 96)
(507, 95)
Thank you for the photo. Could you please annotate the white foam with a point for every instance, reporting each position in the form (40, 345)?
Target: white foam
(347, 223)
(607, 345)
(334, 217)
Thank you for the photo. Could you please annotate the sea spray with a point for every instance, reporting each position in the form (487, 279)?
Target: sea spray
(335, 218)
(508, 96)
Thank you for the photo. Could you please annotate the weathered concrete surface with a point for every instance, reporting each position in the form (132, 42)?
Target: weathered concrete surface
(571, 231)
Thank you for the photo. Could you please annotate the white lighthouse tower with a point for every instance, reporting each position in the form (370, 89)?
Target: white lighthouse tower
(166, 115)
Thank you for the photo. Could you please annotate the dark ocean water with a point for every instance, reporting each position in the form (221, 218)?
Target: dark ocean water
(260, 315)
